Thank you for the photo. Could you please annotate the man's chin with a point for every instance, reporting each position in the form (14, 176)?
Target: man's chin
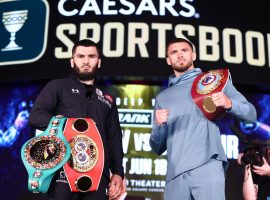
(182, 69)
(85, 76)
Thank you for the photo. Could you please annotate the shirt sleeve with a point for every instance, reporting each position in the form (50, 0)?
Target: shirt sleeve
(115, 142)
(158, 138)
(44, 107)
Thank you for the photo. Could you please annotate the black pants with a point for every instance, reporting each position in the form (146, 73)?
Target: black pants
(61, 191)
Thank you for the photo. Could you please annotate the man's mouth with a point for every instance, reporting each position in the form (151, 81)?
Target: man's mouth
(181, 61)
(86, 68)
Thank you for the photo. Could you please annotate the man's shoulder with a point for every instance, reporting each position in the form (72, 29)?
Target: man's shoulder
(165, 92)
(59, 81)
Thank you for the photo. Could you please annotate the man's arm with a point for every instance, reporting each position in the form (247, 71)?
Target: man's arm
(44, 107)
(116, 153)
(240, 107)
(158, 139)
(115, 142)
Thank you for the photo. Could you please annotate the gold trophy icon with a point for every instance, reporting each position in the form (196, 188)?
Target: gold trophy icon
(13, 22)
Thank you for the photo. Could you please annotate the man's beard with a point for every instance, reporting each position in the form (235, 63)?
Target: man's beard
(85, 75)
(182, 68)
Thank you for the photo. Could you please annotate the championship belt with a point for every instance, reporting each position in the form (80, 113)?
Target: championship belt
(204, 86)
(44, 154)
(85, 166)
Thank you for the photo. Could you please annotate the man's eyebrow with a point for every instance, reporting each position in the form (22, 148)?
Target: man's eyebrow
(173, 51)
(91, 54)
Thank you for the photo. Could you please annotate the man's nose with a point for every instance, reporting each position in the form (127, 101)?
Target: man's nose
(85, 60)
(179, 54)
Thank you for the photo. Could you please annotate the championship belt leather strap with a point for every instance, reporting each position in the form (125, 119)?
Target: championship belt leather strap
(204, 86)
(85, 166)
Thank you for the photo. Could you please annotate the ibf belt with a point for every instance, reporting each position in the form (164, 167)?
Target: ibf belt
(204, 86)
(44, 154)
(85, 166)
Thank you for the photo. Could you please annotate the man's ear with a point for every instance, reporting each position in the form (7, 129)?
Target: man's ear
(71, 62)
(99, 63)
(168, 61)
(194, 56)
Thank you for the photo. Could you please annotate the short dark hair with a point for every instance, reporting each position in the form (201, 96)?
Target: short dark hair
(85, 43)
(178, 40)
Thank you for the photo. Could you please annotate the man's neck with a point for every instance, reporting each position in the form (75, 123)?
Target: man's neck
(87, 82)
(178, 74)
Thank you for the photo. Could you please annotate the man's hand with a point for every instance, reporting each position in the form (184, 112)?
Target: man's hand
(116, 186)
(162, 116)
(263, 170)
(220, 99)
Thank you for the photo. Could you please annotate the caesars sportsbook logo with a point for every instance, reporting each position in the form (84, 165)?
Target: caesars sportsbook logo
(23, 30)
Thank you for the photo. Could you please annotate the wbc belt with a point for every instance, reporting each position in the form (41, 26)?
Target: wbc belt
(44, 154)
(204, 86)
(85, 166)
